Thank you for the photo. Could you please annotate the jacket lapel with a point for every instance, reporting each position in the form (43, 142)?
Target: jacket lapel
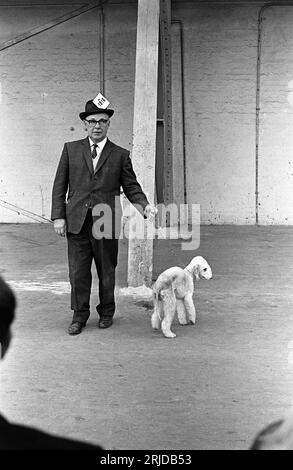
(87, 154)
(105, 154)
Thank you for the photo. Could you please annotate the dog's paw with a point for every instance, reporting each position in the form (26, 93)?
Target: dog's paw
(182, 322)
(155, 322)
(155, 326)
(192, 319)
(170, 335)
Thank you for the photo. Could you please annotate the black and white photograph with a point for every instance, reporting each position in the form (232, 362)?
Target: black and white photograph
(146, 228)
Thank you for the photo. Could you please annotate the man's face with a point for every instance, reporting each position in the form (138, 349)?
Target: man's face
(97, 126)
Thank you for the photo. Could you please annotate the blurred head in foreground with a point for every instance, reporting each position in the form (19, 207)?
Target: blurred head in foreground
(7, 308)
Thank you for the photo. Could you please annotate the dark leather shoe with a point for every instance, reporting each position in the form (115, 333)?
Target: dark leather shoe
(75, 328)
(105, 322)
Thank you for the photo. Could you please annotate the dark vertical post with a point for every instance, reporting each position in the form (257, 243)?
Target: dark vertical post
(166, 70)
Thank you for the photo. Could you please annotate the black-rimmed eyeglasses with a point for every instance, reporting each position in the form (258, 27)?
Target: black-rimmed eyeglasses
(93, 122)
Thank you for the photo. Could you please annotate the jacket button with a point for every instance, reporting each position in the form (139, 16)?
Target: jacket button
(86, 205)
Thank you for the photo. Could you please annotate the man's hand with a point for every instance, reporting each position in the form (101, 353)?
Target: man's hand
(60, 227)
(150, 211)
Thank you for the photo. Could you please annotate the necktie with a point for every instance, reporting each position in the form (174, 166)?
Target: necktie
(94, 151)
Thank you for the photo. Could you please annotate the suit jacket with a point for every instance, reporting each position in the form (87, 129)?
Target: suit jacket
(87, 188)
(19, 437)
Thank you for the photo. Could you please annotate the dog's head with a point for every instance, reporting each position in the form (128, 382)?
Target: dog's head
(200, 268)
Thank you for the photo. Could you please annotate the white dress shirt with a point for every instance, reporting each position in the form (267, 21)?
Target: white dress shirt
(99, 150)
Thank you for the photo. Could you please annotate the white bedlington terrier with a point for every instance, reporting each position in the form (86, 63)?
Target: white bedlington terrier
(173, 292)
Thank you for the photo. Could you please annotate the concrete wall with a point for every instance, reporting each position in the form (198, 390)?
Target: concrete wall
(276, 118)
(220, 63)
(46, 80)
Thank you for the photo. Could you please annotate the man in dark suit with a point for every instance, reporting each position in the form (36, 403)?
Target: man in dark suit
(91, 172)
(16, 436)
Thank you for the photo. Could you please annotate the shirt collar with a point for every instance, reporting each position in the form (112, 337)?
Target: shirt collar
(101, 144)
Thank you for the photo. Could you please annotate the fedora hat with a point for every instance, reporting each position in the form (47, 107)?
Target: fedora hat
(91, 108)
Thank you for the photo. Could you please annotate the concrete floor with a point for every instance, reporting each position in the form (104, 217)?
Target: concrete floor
(213, 387)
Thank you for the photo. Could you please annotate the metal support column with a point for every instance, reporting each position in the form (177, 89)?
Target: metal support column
(166, 70)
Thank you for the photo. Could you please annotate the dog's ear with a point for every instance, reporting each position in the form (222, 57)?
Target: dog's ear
(193, 266)
(196, 272)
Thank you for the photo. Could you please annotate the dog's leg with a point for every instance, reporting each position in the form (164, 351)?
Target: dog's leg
(169, 308)
(157, 314)
(181, 312)
(190, 309)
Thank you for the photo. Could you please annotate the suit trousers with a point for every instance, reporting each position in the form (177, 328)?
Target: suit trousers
(83, 248)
